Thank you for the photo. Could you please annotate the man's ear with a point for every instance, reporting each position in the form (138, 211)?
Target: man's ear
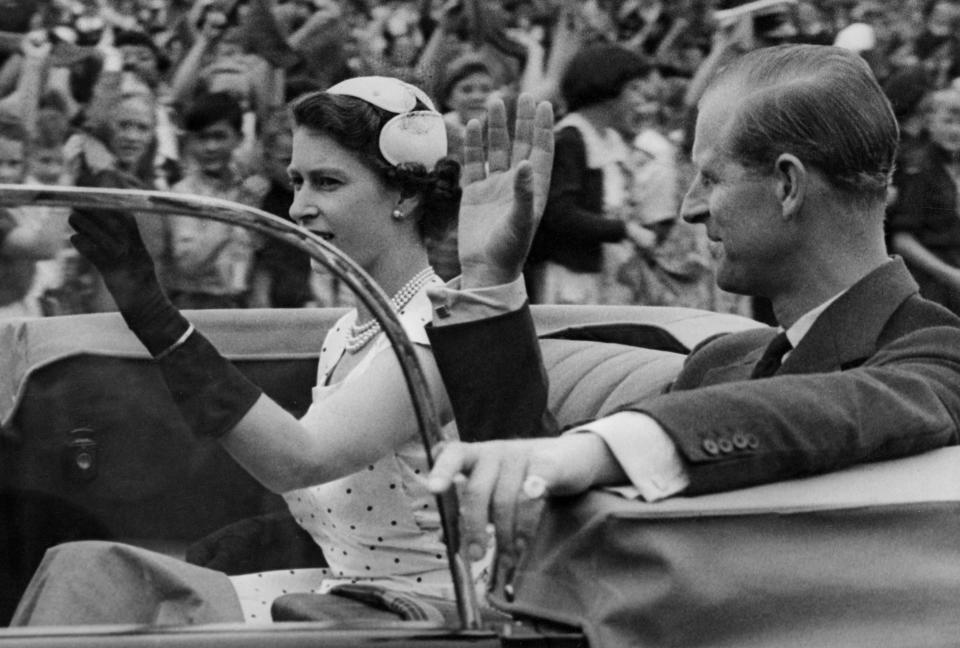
(792, 179)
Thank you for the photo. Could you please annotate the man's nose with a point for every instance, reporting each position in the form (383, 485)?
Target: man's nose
(695, 208)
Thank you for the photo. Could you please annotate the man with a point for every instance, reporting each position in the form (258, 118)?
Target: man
(794, 148)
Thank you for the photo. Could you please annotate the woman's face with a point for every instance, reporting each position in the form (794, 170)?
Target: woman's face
(943, 125)
(341, 199)
(469, 96)
(131, 131)
(636, 106)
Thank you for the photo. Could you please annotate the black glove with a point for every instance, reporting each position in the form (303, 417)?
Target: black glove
(210, 392)
(111, 241)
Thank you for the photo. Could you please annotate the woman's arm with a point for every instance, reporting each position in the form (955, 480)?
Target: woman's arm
(915, 253)
(363, 420)
(24, 101)
(107, 89)
(187, 75)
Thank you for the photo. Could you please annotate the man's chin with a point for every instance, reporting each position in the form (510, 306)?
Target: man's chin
(730, 282)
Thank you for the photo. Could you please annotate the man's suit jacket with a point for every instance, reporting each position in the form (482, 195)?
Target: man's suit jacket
(876, 377)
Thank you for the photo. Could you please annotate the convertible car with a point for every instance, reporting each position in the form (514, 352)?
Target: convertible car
(92, 448)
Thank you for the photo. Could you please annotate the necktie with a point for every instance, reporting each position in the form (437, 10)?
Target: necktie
(772, 357)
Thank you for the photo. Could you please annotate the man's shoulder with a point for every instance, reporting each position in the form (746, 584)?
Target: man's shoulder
(734, 343)
(918, 313)
(722, 350)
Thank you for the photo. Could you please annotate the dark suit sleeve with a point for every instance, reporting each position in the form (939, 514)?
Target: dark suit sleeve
(495, 378)
(902, 401)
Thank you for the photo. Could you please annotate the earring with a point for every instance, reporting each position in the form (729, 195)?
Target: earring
(396, 214)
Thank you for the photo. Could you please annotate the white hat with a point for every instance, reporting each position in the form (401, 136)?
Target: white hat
(417, 136)
(858, 37)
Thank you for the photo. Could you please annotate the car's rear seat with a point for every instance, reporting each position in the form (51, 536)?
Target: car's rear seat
(85, 422)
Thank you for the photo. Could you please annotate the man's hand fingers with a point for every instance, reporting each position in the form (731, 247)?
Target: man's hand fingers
(541, 157)
(498, 137)
(523, 132)
(476, 502)
(452, 460)
(473, 168)
(509, 502)
(524, 217)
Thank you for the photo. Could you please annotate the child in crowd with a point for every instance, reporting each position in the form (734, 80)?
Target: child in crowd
(27, 234)
(208, 263)
(60, 286)
(924, 223)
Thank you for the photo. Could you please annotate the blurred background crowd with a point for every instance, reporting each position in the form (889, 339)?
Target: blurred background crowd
(189, 96)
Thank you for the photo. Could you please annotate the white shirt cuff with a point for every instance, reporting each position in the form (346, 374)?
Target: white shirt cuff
(454, 305)
(646, 453)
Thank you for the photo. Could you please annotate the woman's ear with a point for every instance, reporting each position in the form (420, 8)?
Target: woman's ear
(792, 179)
(407, 205)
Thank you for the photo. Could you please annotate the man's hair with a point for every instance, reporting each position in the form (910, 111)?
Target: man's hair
(209, 109)
(819, 103)
(598, 73)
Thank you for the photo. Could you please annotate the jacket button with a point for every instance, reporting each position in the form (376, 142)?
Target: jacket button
(740, 441)
(726, 446)
(753, 441)
(710, 447)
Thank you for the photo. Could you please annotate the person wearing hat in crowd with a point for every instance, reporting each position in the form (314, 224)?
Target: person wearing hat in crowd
(467, 85)
(591, 191)
(370, 174)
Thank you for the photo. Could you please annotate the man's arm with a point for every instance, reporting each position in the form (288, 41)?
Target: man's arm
(487, 352)
(482, 335)
(486, 348)
(904, 400)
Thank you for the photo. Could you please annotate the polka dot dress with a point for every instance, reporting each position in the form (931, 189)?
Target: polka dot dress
(379, 524)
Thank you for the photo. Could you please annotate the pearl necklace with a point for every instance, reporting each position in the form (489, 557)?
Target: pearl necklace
(361, 335)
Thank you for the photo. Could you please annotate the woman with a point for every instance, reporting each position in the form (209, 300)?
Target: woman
(361, 151)
(590, 225)
(119, 152)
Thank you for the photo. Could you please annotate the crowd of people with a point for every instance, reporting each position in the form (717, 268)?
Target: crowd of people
(688, 159)
(190, 96)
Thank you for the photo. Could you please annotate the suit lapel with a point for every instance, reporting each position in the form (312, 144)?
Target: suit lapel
(846, 333)
(742, 366)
